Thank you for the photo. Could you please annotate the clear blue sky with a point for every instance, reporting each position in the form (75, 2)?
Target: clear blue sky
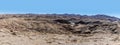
(111, 7)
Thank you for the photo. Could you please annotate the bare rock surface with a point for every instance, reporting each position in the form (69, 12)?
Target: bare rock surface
(58, 29)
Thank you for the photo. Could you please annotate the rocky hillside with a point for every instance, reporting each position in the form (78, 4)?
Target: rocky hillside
(60, 23)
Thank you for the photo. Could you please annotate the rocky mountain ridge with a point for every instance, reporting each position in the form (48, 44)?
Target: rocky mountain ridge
(60, 23)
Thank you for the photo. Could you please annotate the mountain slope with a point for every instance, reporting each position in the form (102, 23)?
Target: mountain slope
(60, 23)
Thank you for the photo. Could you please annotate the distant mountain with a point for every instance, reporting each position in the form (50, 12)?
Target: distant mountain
(105, 17)
(70, 16)
(99, 17)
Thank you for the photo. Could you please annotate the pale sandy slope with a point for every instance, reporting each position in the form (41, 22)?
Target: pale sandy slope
(32, 38)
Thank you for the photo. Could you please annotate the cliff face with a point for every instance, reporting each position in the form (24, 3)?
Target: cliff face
(60, 23)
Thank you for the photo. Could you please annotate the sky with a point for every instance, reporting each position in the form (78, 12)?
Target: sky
(90, 7)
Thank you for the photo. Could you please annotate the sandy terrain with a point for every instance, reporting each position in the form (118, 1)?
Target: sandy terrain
(32, 38)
